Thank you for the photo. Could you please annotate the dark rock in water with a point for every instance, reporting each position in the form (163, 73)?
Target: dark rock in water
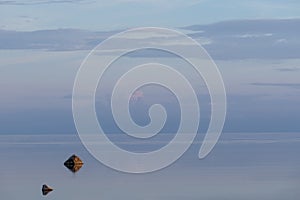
(46, 189)
(74, 163)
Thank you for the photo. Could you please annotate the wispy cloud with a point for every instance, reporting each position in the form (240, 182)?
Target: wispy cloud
(35, 2)
(288, 85)
(243, 39)
(289, 69)
(254, 35)
(55, 40)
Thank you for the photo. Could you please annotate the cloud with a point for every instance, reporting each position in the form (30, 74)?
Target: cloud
(248, 39)
(35, 2)
(254, 35)
(158, 3)
(68, 96)
(290, 69)
(228, 40)
(55, 40)
(137, 95)
(288, 85)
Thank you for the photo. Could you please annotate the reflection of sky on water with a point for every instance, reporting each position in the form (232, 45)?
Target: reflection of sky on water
(242, 166)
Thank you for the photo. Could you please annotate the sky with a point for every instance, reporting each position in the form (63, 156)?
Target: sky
(260, 69)
(255, 45)
(29, 15)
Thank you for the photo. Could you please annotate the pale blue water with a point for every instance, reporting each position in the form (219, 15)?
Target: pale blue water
(264, 166)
